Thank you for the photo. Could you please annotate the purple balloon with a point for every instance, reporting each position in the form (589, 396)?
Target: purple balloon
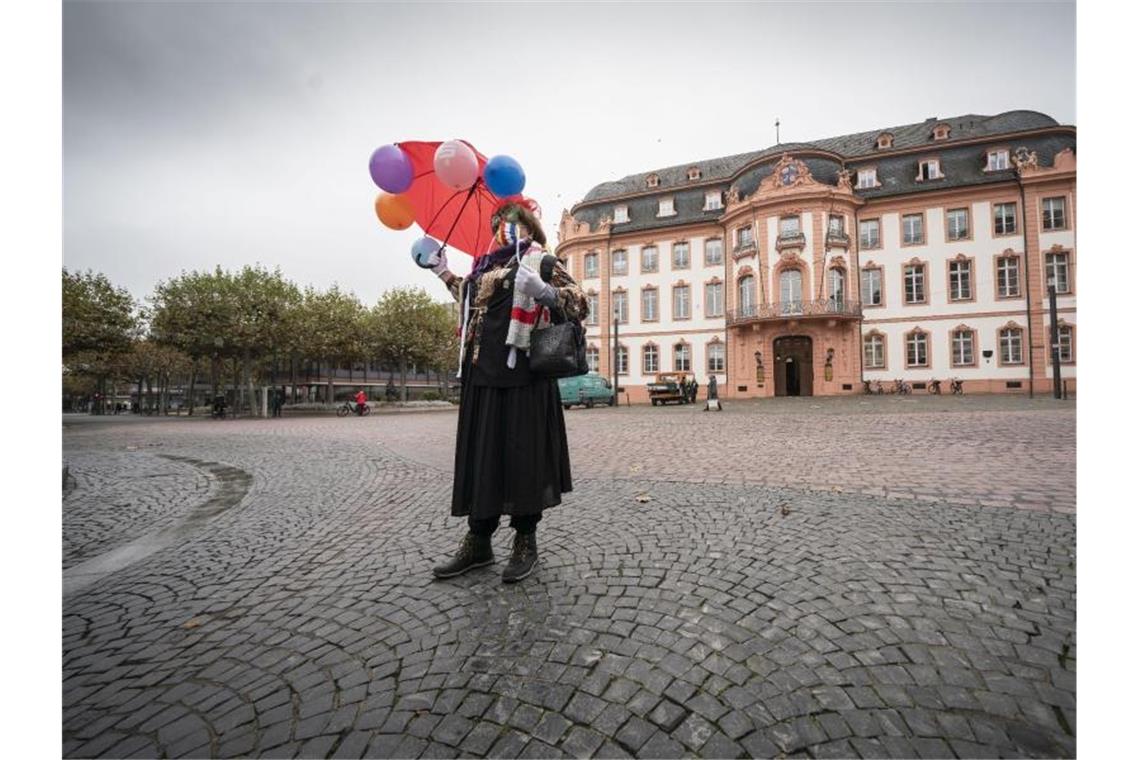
(391, 169)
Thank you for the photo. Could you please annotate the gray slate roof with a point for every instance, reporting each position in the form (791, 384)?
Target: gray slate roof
(846, 146)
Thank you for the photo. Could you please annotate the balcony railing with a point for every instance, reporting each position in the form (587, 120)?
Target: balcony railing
(838, 237)
(790, 240)
(747, 248)
(823, 307)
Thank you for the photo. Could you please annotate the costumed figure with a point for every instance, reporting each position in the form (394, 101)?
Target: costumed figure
(511, 456)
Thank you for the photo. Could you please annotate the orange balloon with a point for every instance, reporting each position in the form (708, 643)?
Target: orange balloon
(395, 211)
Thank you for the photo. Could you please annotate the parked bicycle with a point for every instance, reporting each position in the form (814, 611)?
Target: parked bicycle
(902, 387)
(934, 387)
(956, 386)
(872, 388)
(349, 407)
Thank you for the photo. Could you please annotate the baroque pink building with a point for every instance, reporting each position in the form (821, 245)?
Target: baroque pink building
(918, 252)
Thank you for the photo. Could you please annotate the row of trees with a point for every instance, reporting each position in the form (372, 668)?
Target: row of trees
(251, 325)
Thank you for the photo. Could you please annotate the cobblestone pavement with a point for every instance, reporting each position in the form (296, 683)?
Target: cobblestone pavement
(668, 618)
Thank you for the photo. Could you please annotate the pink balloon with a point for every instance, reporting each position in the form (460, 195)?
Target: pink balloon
(456, 165)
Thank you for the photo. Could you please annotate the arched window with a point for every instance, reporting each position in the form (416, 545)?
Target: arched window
(791, 291)
(917, 349)
(650, 362)
(874, 351)
(715, 353)
(836, 286)
(682, 358)
(746, 289)
(592, 358)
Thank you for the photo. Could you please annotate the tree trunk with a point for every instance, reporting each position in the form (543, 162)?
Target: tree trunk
(403, 380)
(293, 376)
(254, 408)
(237, 390)
(330, 394)
(193, 377)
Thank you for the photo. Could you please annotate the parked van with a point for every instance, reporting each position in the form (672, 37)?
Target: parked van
(587, 390)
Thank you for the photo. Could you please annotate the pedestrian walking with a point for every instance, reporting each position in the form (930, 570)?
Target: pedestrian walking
(511, 455)
(695, 389)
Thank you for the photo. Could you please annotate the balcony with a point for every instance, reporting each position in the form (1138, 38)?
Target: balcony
(838, 238)
(825, 308)
(790, 240)
(747, 248)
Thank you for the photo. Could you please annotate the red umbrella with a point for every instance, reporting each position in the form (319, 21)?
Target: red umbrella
(459, 218)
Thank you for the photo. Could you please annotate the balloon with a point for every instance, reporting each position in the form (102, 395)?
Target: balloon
(391, 169)
(395, 211)
(504, 176)
(456, 165)
(422, 250)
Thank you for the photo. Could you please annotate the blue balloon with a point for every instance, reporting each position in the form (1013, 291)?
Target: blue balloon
(504, 176)
(422, 250)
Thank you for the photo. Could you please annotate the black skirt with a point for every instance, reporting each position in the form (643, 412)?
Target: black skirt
(511, 456)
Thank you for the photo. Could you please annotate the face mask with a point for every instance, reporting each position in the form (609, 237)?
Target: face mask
(507, 233)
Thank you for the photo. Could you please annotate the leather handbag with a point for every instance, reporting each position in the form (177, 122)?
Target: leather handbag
(560, 349)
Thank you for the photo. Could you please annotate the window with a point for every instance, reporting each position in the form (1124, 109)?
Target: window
(682, 359)
(649, 305)
(957, 224)
(694, 173)
(1065, 343)
(961, 287)
(714, 252)
(649, 258)
(962, 347)
(745, 289)
(652, 181)
(1008, 276)
(914, 283)
(789, 226)
(681, 302)
(869, 233)
(874, 355)
(665, 207)
(1057, 269)
(867, 178)
(1010, 343)
(592, 358)
(715, 357)
(996, 160)
(680, 255)
(916, 349)
(591, 265)
(650, 362)
(791, 291)
(743, 237)
(714, 299)
(835, 224)
(621, 214)
(929, 169)
(942, 132)
(713, 201)
(621, 306)
(1005, 218)
(622, 360)
(1054, 213)
(871, 286)
(836, 285)
(592, 302)
(620, 263)
(913, 233)
(886, 140)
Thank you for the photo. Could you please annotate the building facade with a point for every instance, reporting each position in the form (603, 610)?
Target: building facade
(917, 252)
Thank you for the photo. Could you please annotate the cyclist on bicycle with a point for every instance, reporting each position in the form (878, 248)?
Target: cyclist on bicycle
(361, 400)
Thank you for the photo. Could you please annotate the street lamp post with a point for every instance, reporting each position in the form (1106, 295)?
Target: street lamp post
(617, 319)
(1054, 338)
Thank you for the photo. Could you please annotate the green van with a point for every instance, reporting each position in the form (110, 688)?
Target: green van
(588, 390)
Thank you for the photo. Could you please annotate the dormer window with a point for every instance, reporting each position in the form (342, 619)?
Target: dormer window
(652, 180)
(621, 214)
(929, 169)
(665, 207)
(712, 200)
(942, 132)
(886, 140)
(694, 173)
(996, 160)
(867, 178)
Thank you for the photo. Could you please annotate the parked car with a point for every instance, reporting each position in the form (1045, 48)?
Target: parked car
(587, 390)
(667, 388)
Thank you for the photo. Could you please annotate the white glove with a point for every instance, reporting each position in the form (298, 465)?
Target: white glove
(438, 262)
(512, 357)
(529, 283)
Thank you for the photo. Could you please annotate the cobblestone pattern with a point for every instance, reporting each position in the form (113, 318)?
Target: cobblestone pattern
(103, 510)
(666, 619)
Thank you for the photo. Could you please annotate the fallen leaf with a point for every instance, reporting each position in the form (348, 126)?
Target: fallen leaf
(642, 497)
(785, 510)
(194, 622)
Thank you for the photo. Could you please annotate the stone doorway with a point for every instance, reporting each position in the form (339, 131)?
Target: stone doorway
(793, 368)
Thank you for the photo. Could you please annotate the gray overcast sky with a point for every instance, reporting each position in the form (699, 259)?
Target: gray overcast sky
(198, 134)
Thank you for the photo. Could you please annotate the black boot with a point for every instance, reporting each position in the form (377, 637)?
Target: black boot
(474, 551)
(524, 558)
